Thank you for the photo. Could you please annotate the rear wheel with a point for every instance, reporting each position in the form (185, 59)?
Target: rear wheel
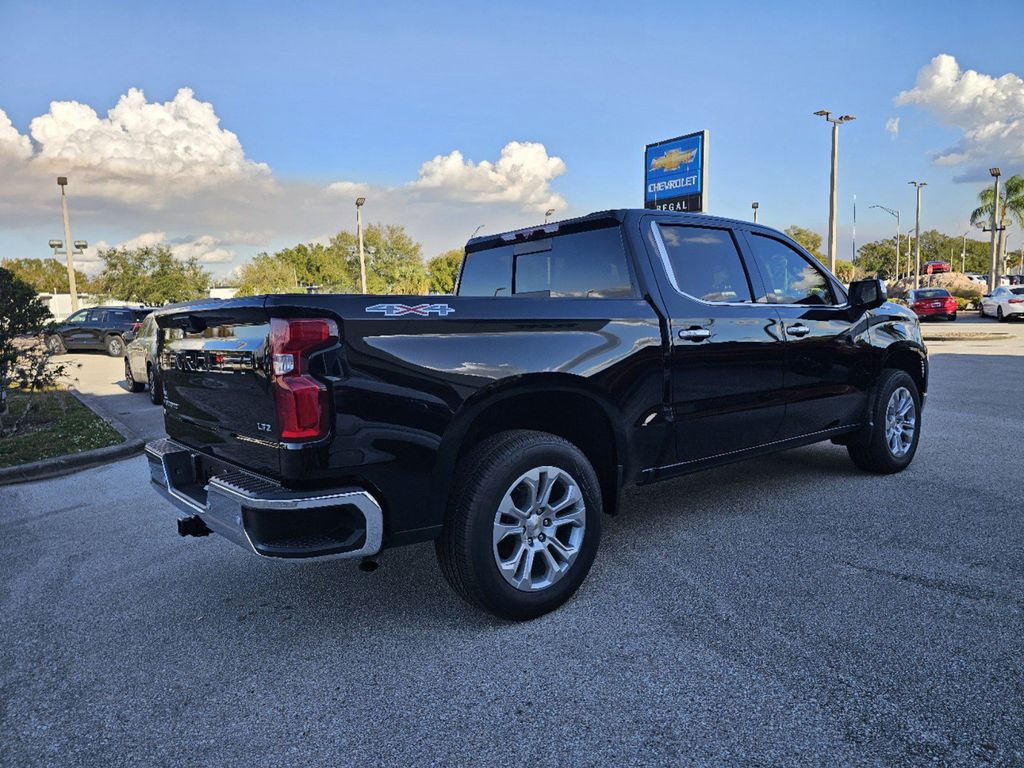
(1000, 316)
(156, 387)
(56, 345)
(888, 442)
(523, 524)
(115, 346)
(129, 379)
(952, 317)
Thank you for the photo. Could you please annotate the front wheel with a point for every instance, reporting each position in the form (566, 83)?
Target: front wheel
(888, 442)
(523, 524)
(115, 346)
(56, 345)
(129, 378)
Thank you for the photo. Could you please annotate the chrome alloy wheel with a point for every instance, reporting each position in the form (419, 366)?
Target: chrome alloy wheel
(900, 422)
(538, 529)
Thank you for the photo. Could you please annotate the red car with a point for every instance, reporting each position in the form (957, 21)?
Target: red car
(932, 302)
(935, 267)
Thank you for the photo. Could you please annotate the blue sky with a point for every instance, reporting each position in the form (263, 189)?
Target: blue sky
(367, 93)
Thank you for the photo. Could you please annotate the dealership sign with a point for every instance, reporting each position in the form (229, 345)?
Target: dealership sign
(675, 173)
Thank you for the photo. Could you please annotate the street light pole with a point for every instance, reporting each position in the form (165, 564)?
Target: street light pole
(833, 188)
(755, 206)
(995, 229)
(963, 255)
(917, 234)
(899, 230)
(62, 182)
(359, 234)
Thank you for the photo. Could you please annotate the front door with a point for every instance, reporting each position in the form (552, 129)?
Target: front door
(826, 377)
(727, 352)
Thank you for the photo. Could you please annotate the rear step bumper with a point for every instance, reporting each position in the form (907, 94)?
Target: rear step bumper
(260, 514)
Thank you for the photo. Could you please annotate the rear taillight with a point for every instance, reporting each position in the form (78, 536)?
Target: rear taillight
(300, 400)
(136, 326)
(1015, 301)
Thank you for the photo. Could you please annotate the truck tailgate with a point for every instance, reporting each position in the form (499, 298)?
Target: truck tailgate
(217, 383)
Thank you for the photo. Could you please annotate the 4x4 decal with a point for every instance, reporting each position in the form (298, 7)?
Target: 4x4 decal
(420, 310)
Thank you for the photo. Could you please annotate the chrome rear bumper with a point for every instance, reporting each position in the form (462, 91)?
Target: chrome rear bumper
(260, 514)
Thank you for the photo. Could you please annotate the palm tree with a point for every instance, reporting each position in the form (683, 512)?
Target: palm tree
(1011, 208)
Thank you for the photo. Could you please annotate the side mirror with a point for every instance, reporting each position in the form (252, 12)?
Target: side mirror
(867, 294)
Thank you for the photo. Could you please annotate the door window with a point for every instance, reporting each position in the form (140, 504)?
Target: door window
(78, 317)
(705, 263)
(96, 316)
(789, 277)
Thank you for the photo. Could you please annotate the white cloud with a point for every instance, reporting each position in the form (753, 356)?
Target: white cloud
(169, 170)
(522, 175)
(140, 149)
(13, 146)
(347, 189)
(988, 110)
(892, 127)
(145, 240)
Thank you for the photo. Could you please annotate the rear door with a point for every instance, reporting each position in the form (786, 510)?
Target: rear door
(727, 352)
(826, 348)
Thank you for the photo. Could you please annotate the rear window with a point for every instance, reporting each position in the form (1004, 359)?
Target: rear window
(932, 293)
(587, 264)
(1017, 291)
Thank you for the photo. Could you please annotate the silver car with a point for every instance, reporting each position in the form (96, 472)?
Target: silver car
(1004, 302)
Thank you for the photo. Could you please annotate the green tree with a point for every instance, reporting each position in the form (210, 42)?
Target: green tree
(27, 365)
(267, 274)
(324, 266)
(394, 261)
(45, 275)
(1011, 208)
(150, 275)
(443, 270)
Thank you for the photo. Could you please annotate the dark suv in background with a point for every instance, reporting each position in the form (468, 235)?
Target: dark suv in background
(96, 328)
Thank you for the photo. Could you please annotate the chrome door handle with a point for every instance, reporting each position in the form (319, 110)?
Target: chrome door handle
(694, 334)
(797, 330)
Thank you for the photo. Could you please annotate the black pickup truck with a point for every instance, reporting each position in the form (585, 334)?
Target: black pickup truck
(576, 358)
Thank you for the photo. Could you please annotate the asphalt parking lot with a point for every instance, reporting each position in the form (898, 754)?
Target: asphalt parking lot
(786, 611)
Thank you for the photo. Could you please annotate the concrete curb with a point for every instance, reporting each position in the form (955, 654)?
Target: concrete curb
(75, 462)
(72, 462)
(966, 336)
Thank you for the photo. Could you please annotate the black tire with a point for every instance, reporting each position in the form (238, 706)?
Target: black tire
(56, 345)
(466, 549)
(129, 378)
(952, 318)
(869, 448)
(999, 315)
(115, 345)
(156, 387)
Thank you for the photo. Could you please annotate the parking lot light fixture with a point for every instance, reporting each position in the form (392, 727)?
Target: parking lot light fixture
(833, 185)
(917, 234)
(548, 214)
(62, 182)
(893, 212)
(995, 173)
(754, 206)
(359, 235)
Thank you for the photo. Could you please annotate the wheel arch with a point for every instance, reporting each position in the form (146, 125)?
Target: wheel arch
(912, 358)
(561, 404)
